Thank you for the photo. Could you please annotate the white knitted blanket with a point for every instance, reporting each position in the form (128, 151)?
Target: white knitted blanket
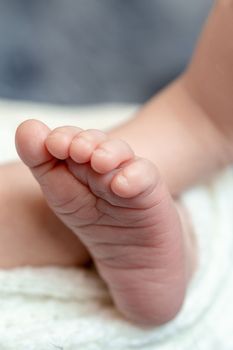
(70, 309)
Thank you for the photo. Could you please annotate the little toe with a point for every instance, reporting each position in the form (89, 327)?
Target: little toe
(135, 178)
(84, 144)
(110, 154)
(30, 142)
(59, 140)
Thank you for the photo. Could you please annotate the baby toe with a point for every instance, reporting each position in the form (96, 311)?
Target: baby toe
(137, 177)
(59, 140)
(110, 154)
(83, 145)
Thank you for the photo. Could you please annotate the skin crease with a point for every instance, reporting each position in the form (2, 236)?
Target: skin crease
(196, 119)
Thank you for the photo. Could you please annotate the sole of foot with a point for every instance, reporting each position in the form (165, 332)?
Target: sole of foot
(119, 207)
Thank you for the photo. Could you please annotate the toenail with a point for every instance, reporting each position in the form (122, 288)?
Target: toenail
(102, 153)
(56, 134)
(81, 141)
(86, 136)
(122, 180)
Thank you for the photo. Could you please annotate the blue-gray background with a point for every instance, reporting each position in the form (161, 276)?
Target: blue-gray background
(91, 51)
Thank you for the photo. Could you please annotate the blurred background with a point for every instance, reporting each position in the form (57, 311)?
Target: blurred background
(93, 51)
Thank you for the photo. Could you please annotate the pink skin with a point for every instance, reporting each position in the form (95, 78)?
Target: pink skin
(121, 210)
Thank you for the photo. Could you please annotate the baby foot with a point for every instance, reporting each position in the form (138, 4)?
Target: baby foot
(121, 210)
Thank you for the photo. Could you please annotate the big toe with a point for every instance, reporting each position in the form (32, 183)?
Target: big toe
(30, 143)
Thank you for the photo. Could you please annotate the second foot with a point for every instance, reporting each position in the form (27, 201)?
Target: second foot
(121, 210)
